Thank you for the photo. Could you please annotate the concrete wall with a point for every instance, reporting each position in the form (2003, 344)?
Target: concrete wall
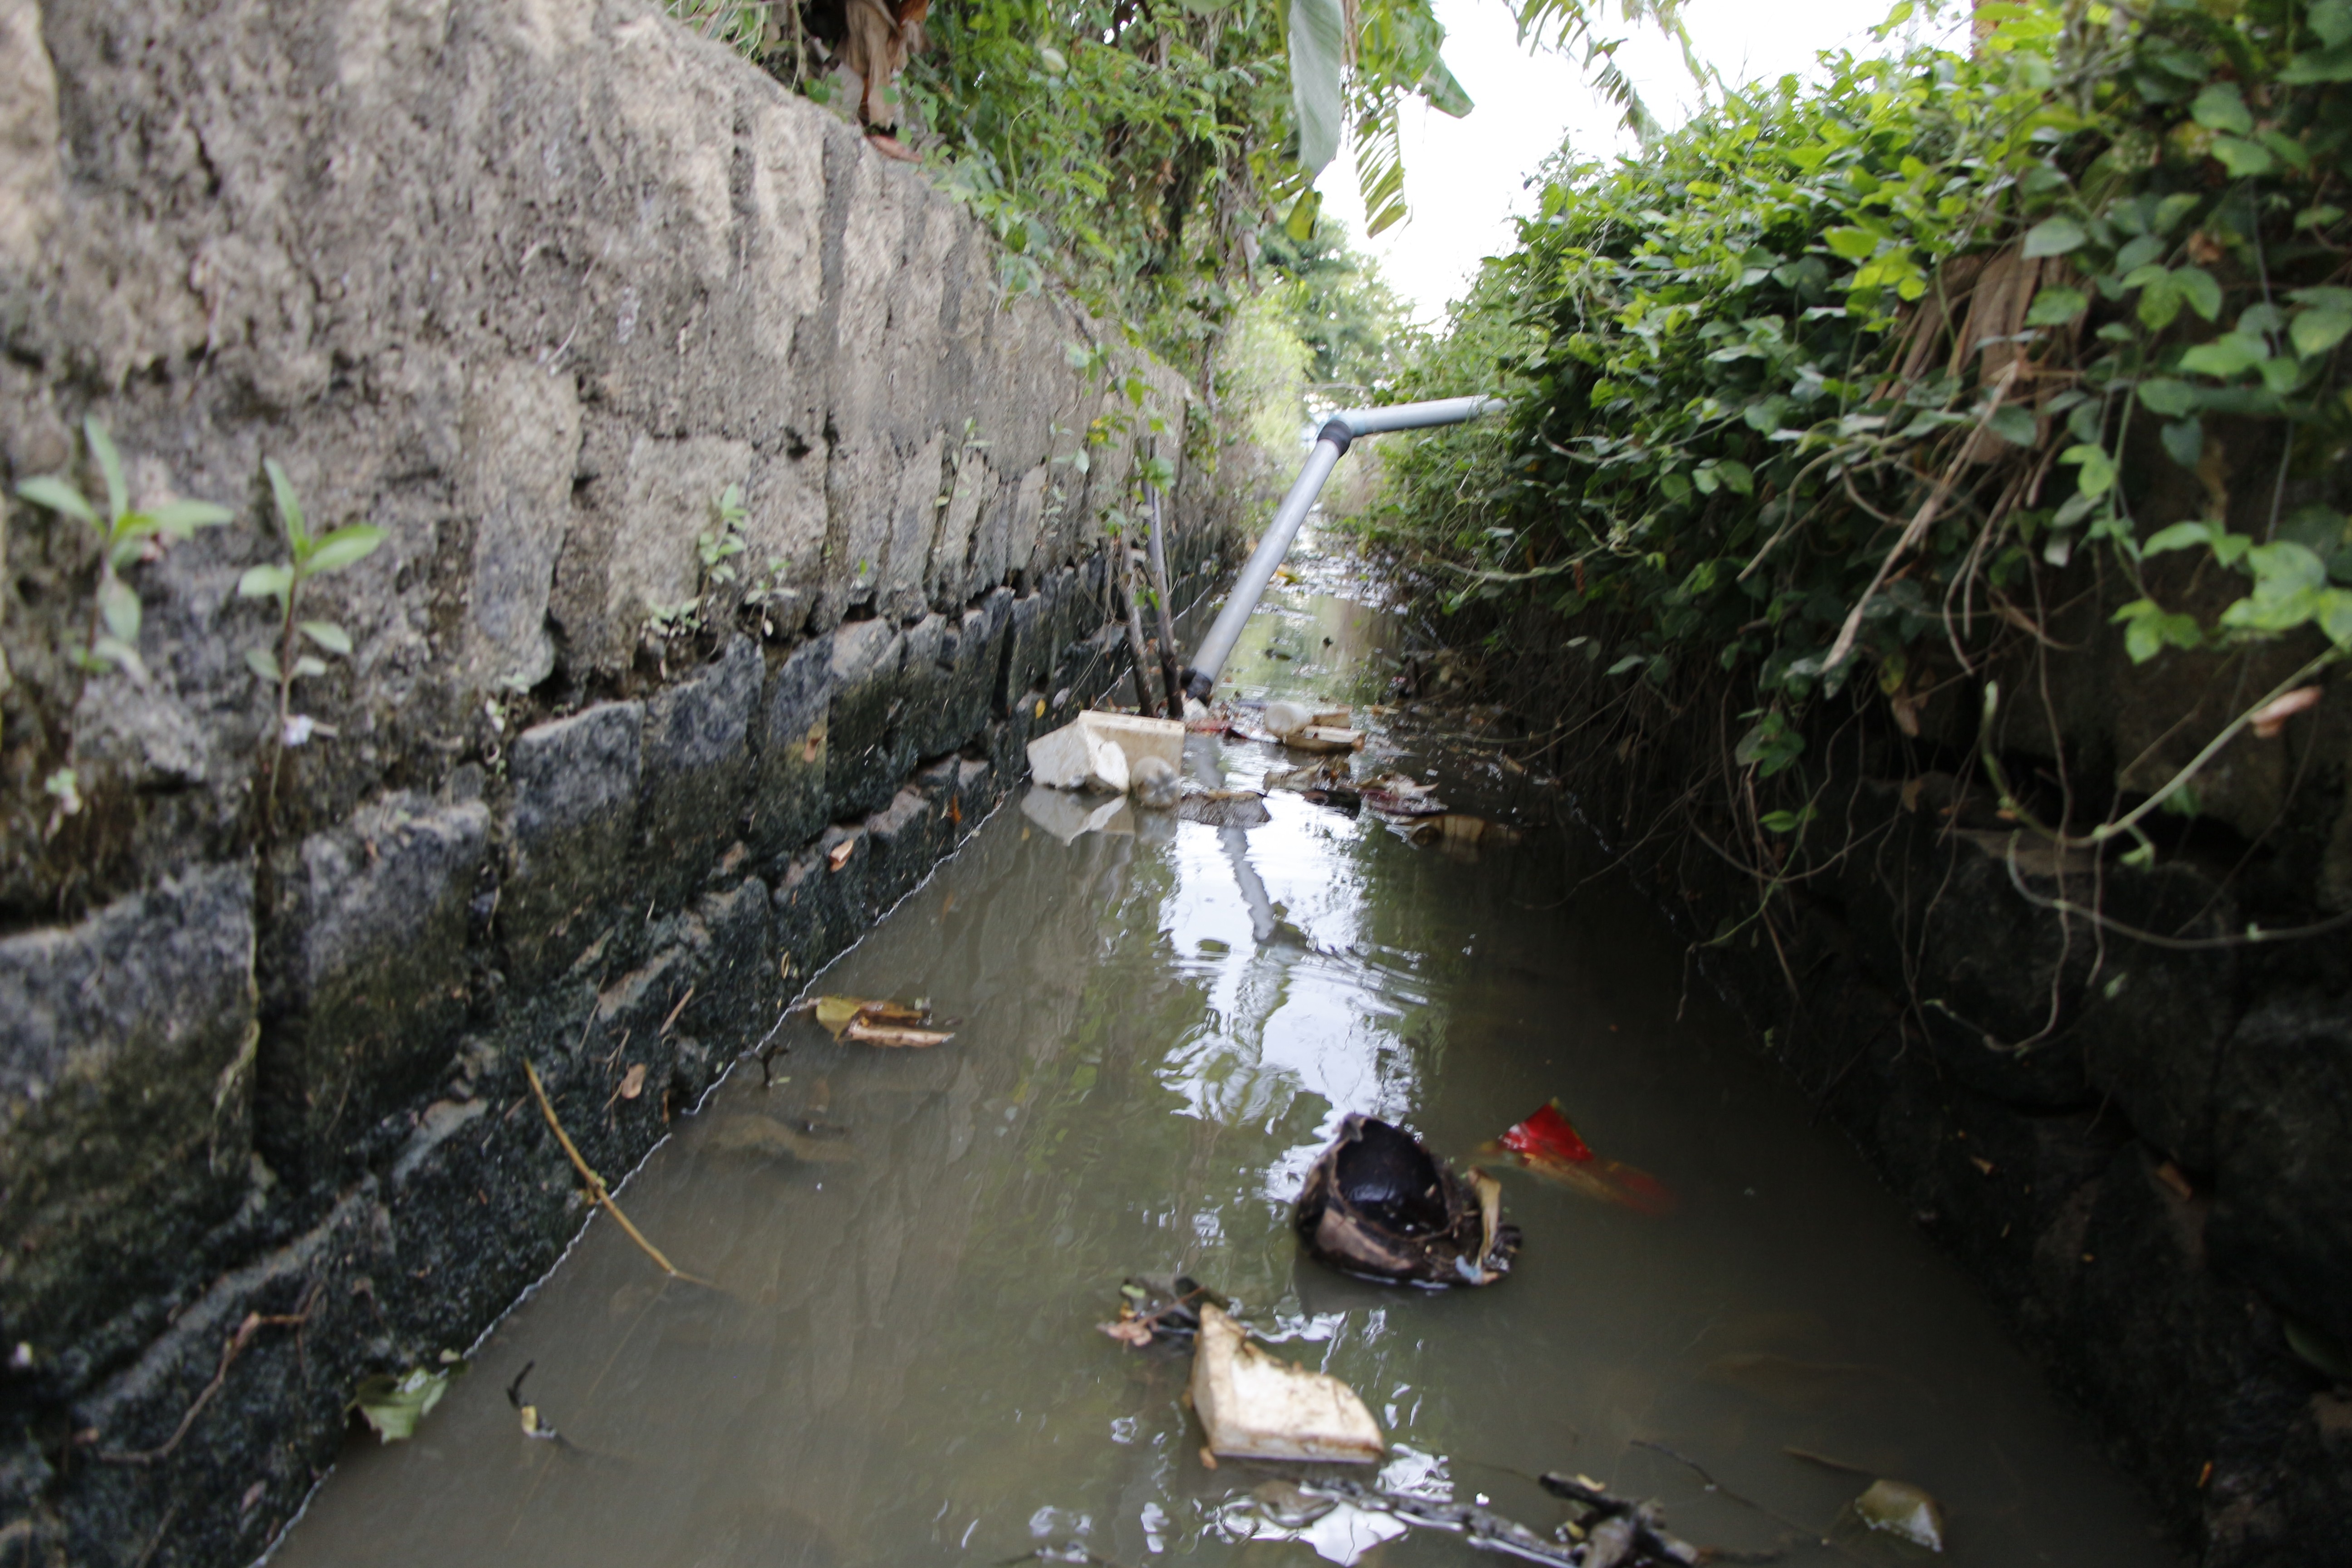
(528, 284)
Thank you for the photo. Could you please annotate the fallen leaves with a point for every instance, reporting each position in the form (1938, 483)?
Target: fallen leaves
(1547, 1144)
(878, 1022)
(838, 856)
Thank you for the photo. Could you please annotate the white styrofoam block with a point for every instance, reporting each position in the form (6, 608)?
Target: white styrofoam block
(1137, 737)
(1099, 751)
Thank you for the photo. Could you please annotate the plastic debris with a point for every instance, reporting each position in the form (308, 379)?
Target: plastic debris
(1099, 751)
(1166, 1311)
(1904, 1511)
(1547, 1144)
(1254, 1405)
(1379, 1204)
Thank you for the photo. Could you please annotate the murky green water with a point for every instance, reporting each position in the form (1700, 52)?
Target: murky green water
(1158, 1031)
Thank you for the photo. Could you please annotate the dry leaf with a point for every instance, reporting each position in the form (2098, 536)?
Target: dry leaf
(1133, 1332)
(834, 1012)
(839, 856)
(633, 1082)
(892, 1035)
(2271, 718)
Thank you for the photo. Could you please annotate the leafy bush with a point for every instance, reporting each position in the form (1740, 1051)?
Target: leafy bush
(1816, 383)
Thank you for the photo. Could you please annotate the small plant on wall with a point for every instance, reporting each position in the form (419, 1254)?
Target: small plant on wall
(125, 535)
(302, 644)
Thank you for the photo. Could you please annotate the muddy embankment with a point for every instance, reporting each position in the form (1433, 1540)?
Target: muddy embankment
(2121, 1093)
(732, 545)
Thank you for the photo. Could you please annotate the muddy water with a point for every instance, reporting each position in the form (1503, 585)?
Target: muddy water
(1158, 1029)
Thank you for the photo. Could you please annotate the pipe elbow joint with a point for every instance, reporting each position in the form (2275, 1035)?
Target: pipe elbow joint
(1338, 432)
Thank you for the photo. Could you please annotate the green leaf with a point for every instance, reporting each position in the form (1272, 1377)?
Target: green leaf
(2196, 286)
(2164, 394)
(2242, 158)
(2056, 307)
(2053, 236)
(328, 635)
(308, 664)
(2096, 473)
(263, 663)
(2149, 630)
(1786, 821)
(344, 546)
(2014, 425)
(57, 495)
(2314, 332)
(2184, 442)
(289, 507)
(118, 606)
(395, 1405)
(1738, 475)
(1300, 224)
(119, 654)
(273, 582)
(1317, 47)
(1444, 94)
(109, 464)
(1054, 62)
(181, 519)
(2221, 107)
(2224, 357)
(1853, 244)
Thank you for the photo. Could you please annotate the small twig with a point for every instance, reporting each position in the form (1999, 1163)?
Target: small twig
(1920, 523)
(156, 1540)
(1729, 1496)
(597, 1192)
(253, 1324)
(674, 1012)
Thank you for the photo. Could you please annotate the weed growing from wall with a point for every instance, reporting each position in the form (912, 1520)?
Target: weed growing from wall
(125, 535)
(303, 645)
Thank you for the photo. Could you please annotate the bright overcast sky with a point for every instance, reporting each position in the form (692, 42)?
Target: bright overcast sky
(1465, 178)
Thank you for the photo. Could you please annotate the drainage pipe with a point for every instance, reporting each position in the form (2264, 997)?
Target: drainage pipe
(1330, 443)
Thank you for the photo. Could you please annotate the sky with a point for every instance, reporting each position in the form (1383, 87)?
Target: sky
(1465, 178)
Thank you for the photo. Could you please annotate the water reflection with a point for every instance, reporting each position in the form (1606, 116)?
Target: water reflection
(1157, 1031)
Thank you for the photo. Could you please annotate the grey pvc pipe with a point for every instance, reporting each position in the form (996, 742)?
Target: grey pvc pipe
(1333, 440)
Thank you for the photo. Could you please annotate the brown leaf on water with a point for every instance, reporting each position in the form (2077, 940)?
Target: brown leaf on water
(869, 1034)
(835, 1013)
(633, 1082)
(1133, 1332)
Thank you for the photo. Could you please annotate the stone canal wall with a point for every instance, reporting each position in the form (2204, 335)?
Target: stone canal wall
(737, 530)
(2120, 1093)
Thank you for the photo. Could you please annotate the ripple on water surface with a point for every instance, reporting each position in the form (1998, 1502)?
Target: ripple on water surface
(1157, 1031)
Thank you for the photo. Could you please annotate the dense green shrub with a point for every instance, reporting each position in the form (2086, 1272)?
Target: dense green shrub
(1809, 386)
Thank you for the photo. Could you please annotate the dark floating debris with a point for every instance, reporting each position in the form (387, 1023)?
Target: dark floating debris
(1618, 1533)
(1379, 1204)
(1163, 1310)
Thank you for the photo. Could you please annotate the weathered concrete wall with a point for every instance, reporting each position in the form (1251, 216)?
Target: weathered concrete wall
(528, 284)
